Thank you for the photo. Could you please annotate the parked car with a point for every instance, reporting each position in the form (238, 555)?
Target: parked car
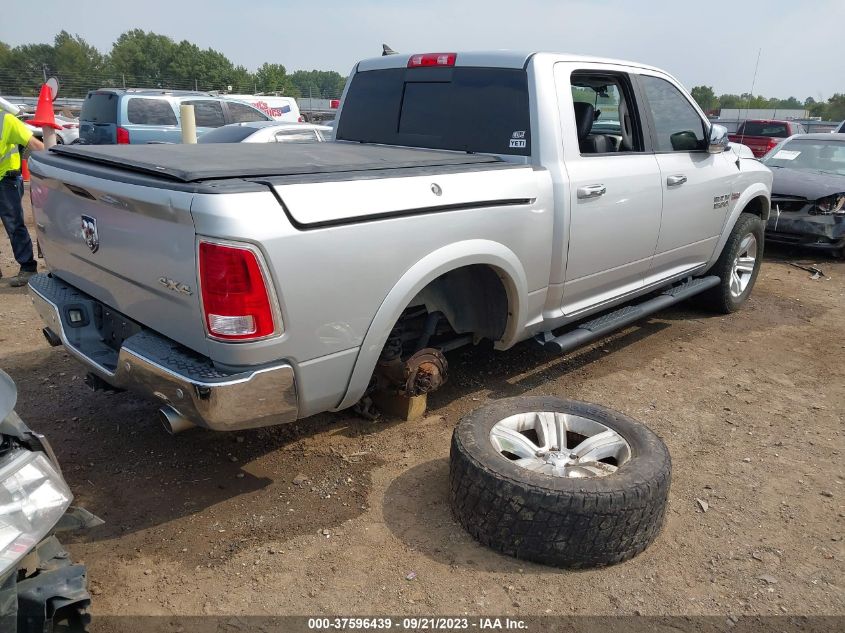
(762, 135)
(279, 108)
(268, 132)
(128, 116)
(67, 134)
(296, 282)
(41, 590)
(808, 192)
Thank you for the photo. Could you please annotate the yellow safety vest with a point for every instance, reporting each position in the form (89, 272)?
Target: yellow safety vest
(12, 133)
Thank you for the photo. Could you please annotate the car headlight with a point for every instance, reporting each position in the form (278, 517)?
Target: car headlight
(33, 497)
(830, 205)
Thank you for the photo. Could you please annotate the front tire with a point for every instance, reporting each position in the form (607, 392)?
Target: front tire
(558, 482)
(737, 266)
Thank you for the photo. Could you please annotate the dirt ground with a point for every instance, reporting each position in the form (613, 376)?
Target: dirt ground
(329, 515)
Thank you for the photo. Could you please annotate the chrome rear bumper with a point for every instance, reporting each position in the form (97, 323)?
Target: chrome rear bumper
(150, 364)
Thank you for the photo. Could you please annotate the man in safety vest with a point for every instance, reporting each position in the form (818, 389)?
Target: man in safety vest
(14, 133)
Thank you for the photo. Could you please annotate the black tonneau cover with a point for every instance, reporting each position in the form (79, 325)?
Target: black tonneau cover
(193, 163)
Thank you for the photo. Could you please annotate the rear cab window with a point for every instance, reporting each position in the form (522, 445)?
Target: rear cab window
(469, 109)
(99, 107)
(150, 111)
(764, 128)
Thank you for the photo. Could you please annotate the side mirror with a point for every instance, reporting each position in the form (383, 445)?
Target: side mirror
(718, 141)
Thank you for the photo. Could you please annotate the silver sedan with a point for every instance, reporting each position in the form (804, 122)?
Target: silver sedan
(268, 132)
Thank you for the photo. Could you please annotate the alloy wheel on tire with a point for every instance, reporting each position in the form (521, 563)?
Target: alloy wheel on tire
(744, 264)
(560, 444)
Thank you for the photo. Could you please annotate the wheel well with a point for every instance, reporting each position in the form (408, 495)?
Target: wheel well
(758, 206)
(473, 299)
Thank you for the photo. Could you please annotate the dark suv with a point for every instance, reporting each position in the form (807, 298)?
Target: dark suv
(122, 116)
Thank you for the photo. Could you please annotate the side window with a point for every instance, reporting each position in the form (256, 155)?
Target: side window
(143, 111)
(605, 114)
(207, 113)
(677, 126)
(242, 113)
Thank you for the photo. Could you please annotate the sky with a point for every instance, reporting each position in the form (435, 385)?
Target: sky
(713, 42)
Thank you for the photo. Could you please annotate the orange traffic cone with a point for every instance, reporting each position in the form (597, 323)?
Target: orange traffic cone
(24, 170)
(44, 116)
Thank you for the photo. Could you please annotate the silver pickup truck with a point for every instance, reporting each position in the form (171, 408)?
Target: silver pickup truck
(468, 196)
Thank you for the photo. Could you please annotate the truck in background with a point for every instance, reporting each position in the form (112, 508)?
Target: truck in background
(763, 135)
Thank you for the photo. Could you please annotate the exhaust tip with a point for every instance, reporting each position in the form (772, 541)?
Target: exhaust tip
(173, 421)
(52, 339)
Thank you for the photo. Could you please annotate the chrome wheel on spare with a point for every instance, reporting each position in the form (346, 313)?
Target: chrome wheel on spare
(560, 444)
(558, 482)
(744, 266)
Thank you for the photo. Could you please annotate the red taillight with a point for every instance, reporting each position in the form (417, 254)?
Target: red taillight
(235, 300)
(70, 126)
(334, 104)
(301, 119)
(432, 59)
(122, 136)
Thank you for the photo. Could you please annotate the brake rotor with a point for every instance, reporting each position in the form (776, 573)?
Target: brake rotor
(425, 371)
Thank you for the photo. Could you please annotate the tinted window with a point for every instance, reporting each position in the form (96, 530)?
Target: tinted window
(227, 134)
(207, 113)
(678, 127)
(99, 107)
(764, 128)
(143, 111)
(242, 113)
(466, 109)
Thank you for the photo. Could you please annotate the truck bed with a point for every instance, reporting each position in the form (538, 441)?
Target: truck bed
(196, 163)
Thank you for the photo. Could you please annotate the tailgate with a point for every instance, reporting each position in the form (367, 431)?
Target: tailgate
(132, 247)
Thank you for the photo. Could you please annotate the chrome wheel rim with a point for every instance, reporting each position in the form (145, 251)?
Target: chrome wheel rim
(560, 444)
(744, 263)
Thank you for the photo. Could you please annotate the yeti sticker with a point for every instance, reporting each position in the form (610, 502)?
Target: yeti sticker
(89, 233)
(518, 134)
(517, 143)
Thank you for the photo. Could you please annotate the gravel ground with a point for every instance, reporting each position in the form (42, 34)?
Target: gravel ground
(331, 514)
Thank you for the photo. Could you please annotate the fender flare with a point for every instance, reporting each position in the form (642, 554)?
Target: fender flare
(754, 191)
(426, 270)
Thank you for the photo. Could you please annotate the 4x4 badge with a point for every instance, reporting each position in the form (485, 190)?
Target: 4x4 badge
(89, 233)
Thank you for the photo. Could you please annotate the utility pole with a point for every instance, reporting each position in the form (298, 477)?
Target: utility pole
(44, 71)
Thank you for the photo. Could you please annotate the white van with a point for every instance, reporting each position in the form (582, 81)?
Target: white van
(280, 108)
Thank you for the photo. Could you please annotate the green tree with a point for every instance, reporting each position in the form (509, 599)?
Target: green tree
(142, 59)
(274, 78)
(835, 110)
(704, 97)
(78, 65)
(319, 84)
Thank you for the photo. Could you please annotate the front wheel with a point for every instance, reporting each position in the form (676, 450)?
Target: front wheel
(737, 266)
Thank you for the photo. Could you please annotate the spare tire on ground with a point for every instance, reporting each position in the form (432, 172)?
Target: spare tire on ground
(558, 482)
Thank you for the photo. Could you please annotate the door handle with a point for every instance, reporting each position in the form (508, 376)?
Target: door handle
(591, 191)
(673, 181)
